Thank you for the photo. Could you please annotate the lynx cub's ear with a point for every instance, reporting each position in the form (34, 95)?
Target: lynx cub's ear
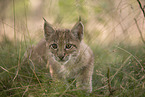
(78, 30)
(48, 30)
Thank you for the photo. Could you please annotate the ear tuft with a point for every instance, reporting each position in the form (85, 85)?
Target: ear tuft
(48, 30)
(44, 19)
(78, 30)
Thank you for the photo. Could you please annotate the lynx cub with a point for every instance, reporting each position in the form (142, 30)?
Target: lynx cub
(65, 53)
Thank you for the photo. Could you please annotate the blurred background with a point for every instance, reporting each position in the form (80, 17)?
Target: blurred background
(105, 21)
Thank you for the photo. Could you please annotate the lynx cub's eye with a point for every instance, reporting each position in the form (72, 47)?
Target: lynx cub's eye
(54, 46)
(68, 46)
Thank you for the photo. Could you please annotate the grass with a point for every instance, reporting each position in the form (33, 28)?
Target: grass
(119, 71)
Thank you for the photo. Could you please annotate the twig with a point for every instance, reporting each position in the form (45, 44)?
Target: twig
(141, 7)
(139, 31)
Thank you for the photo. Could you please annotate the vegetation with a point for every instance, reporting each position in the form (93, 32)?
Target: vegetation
(113, 29)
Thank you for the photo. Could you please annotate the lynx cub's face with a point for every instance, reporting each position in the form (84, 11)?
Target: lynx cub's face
(63, 44)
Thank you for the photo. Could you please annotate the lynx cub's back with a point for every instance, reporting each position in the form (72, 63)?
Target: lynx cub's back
(66, 54)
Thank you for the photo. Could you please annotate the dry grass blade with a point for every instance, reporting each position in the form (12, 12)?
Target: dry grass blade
(4, 69)
(101, 87)
(25, 91)
(36, 77)
(16, 73)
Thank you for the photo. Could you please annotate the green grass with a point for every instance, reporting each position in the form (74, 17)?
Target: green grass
(124, 64)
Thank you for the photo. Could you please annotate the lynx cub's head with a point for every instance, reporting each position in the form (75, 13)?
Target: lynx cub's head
(63, 44)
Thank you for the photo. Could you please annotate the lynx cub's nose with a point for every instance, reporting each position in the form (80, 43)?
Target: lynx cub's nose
(61, 57)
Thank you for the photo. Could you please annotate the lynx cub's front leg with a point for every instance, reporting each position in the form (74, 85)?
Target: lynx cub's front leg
(84, 79)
